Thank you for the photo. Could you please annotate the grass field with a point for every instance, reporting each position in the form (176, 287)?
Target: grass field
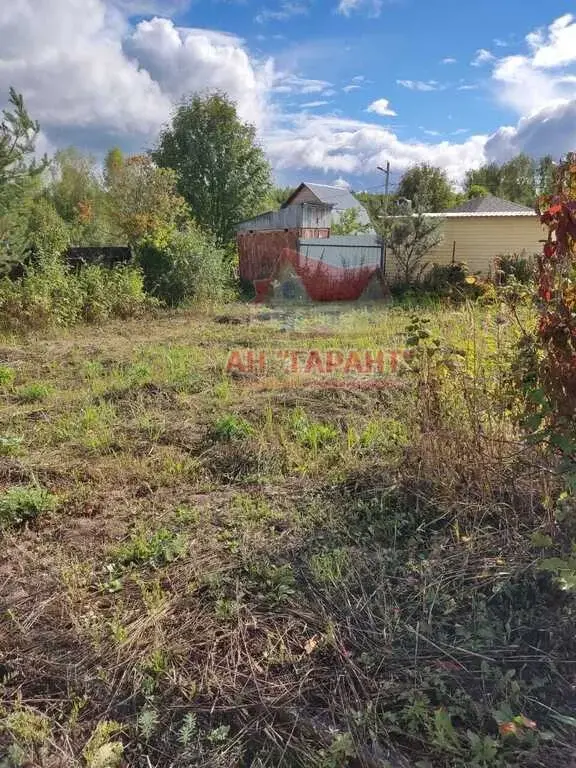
(210, 569)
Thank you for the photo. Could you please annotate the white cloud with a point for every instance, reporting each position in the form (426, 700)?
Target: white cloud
(290, 83)
(468, 87)
(92, 77)
(286, 10)
(430, 133)
(69, 63)
(313, 104)
(531, 82)
(558, 47)
(184, 61)
(481, 57)
(342, 183)
(541, 92)
(149, 7)
(350, 88)
(449, 60)
(344, 146)
(550, 131)
(420, 85)
(381, 107)
(347, 7)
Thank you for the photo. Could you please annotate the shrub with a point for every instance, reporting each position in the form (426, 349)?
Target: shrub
(441, 277)
(184, 265)
(516, 266)
(50, 293)
(24, 503)
(450, 281)
(106, 293)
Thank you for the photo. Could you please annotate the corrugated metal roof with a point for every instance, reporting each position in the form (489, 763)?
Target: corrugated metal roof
(490, 205)
(343, 251)
(480, 214)
(361, 241)
(340, 199)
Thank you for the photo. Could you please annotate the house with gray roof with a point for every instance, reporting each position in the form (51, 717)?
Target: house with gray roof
(487, 205)
(481, 229)
(339, 198)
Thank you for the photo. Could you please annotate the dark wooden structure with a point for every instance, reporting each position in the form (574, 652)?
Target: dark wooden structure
(104, 256)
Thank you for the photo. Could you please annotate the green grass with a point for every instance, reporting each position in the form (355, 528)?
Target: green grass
(32, 393)
(19, 505)
(260, 571)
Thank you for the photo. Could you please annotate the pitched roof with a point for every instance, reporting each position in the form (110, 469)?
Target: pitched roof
(338, 197)
(490, 204)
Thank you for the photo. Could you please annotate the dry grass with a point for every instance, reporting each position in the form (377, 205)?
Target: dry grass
(239, 575)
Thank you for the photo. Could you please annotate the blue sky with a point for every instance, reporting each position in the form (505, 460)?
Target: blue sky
(335, 87)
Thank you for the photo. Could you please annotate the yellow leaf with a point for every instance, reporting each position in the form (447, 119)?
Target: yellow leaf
(311, 644)
(470, 280)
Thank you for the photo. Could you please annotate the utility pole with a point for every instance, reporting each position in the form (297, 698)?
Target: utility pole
(386, 172)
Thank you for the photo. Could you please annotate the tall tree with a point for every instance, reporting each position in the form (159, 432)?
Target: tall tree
(427, 187)
(19, 178)
(222, 172)
(113, 165)
(488, 177)
(477, 190)
(75, 183)
(545, 175)
(142, 199)
(515, 180)
(18, 134)
(518, 180)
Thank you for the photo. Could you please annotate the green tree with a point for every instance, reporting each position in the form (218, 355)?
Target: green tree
(427, 187)
(18, 134)
(349, 224)
(77, 193)
(142, 200)
(19, 179)
(113, 165)
(488, 177)
(375, 204)
(75, 184)
(518, 180)
(545, 175)
(409, 240)
(183, 265)
(477, 190)
(222, 172)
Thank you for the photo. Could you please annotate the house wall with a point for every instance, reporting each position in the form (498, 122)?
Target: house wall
(260, 251)
(293, 217)
(479, 239)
